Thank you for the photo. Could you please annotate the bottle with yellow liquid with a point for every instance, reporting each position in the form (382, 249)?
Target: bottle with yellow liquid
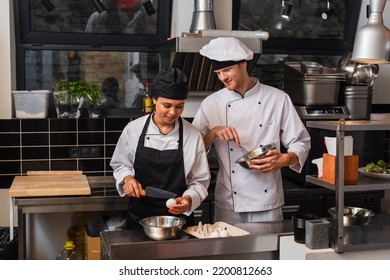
(70, 252)
(148, 103)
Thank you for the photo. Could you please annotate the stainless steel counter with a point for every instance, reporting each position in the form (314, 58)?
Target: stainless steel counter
(103, 198)
(261, 243)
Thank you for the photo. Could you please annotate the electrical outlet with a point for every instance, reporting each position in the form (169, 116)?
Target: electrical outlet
(84, 152)
(74, 152)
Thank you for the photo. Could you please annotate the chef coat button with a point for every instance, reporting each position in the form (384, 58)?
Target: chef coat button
(231, 149)
(259, 102)
(261, 146)
(147, 138)
(229, 105)
(234, 192)
(265, 190)
(260, 125)
(232, 171)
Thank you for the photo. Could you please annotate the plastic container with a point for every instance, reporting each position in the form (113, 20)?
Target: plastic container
(31, 104)
(116, 223)
(70, 252)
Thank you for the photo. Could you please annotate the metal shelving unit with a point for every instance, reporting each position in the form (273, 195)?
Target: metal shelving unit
(364, 182)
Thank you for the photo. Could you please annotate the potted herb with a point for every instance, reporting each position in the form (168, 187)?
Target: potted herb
(68, 95)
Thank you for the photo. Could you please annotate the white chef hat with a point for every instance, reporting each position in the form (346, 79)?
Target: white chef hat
(226, 51)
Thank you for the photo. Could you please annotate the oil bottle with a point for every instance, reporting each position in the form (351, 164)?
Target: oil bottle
(69, 252)
(76, 232)
(148, 103)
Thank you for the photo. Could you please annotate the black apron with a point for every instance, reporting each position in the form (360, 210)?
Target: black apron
(159, 169)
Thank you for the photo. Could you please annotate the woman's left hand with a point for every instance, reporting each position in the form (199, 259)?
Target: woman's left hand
(183, 204)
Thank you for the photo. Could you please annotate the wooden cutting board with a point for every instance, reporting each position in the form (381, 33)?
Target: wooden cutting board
(49, 185)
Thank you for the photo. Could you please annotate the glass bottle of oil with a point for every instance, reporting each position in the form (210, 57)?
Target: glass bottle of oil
(148, 103)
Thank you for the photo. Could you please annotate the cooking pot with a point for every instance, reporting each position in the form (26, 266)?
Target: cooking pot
(311, 84)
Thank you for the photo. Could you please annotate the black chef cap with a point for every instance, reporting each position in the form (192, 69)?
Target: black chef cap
(170, 83)
(216, 65)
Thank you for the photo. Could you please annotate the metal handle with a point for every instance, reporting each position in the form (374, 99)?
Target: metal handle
(290, 208)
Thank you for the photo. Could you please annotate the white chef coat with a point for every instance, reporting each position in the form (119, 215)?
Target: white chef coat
(195, 158)
(265, 115)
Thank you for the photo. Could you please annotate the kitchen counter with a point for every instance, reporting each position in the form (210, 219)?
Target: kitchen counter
(261, 243)
(104, 197)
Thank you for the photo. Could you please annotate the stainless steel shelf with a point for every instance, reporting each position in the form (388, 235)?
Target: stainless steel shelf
(350, 125)
(364, 184)
(373, 236)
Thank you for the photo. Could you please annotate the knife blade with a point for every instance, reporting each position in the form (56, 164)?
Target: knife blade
(157, 193)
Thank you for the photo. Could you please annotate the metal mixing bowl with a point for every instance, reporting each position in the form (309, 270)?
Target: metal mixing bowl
(349, 218)
(162, 227)
(259, 152)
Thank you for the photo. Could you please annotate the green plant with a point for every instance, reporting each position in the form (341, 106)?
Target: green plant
(70, 92)
(93, 93)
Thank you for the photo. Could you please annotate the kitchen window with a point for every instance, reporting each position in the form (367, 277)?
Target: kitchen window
(131, 70)
(72, 40)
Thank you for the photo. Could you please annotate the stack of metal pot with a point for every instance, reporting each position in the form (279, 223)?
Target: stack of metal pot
(358, 90)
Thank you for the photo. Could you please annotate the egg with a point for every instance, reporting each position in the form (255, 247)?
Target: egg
(224, 233)
(171, 202)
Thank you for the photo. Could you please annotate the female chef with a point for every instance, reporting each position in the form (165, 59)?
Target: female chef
(164, 151)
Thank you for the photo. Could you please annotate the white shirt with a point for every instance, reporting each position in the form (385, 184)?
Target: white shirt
(195, 158)
(265, 115)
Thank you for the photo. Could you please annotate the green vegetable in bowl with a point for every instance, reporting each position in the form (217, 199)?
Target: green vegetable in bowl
(360, 213)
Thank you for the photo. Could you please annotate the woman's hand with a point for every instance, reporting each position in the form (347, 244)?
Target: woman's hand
(131, 187)
(183, 204)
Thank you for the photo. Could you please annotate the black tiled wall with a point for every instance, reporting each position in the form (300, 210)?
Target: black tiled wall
(47, 144)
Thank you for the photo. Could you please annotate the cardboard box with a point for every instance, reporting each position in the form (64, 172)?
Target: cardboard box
(351, 167)
(92, 248)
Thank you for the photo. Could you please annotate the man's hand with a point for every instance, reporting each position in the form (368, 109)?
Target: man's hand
(224, 133)
(273, 162)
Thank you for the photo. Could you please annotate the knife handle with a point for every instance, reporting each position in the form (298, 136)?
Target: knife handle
(142, 192)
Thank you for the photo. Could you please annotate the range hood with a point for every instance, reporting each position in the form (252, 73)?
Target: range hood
(185, 55)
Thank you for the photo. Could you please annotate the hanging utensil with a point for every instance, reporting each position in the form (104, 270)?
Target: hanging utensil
(364, 74)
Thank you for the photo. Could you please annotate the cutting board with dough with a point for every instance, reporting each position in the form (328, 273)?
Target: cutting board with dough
(60, 184)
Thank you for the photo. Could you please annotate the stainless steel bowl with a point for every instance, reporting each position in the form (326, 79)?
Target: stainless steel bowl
(162, 227)
(349, 218)
(259, 152)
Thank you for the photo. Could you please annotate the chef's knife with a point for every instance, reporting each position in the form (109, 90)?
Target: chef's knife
(157, 193)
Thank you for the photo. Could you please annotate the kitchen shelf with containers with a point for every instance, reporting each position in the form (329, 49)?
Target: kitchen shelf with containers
(360, 237)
